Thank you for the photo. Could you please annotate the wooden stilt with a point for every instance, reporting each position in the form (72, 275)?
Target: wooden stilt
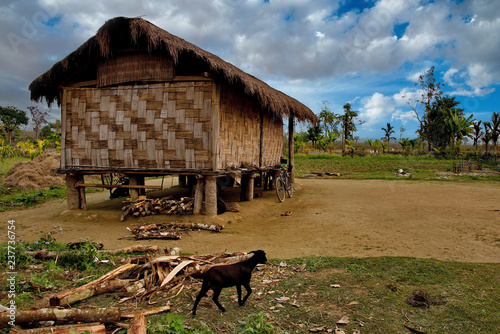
(73, 193)
(198, 194)
(250, 187)
(134, 193)
(211, 195)
(291, 160)
(83, 198)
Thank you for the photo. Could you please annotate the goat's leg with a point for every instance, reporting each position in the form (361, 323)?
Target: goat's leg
(202, 293)
(215, 298)
(238, 288)
(249, 291)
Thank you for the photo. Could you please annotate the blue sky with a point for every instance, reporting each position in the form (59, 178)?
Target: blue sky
(368, 53)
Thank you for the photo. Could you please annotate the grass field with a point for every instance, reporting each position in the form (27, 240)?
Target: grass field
(372, 292)
(381, 166)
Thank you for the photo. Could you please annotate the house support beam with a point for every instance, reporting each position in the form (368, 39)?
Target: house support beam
(291, 160)
(250, 186)
(211, 195)
(198, 194)
(75, 195)
(133, 181)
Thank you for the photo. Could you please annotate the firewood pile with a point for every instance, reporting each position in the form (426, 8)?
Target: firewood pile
(143, 206)
(148, 278)
(170, 230)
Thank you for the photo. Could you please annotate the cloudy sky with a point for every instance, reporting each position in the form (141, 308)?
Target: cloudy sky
(365, 52)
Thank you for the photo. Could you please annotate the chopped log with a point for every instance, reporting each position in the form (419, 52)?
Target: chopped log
(125, 214)
(131, 249)
(90, 289)
(108, 314)
(198, 226)
(92, 328)
(138, 325)
(43, 254)
(149, 311)
(157, 235)
(143, 206)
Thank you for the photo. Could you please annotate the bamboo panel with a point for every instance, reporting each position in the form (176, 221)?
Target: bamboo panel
(138, 126)
(239, 138)
(134, 67)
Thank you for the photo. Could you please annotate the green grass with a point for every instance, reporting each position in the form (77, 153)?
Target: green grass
(372, 292)
(380, 166)
(19, 198)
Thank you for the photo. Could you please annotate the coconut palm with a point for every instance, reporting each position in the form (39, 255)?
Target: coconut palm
(477, 133)
(388, 132)
(486, 136)
(495, 129)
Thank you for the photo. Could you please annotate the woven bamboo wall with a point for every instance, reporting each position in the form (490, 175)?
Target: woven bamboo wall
(239, 138)
(272, 146)
(164, 126)
(134, 67)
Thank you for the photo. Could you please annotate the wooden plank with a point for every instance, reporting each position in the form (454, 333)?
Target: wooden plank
(91, 185)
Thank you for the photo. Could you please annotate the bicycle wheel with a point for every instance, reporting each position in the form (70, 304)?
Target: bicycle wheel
(289, 186)
(280, 189)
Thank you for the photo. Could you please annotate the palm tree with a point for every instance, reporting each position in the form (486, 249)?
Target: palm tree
(459, 127)
(388, 132)
(477, 133)
(487, 136)
(495, 129)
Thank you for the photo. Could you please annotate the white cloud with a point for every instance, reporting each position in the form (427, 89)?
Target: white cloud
(375, 109)
(304, 46)
(448, 77)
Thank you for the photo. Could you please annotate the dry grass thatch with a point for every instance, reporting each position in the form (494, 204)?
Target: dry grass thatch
(123, 33)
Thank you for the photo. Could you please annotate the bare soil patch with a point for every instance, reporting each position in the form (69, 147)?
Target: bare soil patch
(362, 218)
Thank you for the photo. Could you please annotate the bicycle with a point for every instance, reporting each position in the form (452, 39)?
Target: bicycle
(283, 184)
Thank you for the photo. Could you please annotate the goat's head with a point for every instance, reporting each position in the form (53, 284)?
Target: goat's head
(259, 256)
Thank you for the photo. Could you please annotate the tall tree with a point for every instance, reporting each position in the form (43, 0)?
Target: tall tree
(477, 134)
(401, 130)
(487, 136)
(329, 122)
(38, 118)
(348, 121)
(429, 91)
(56, 126)
(389, 130)
(447, 124)
(314, 133)
(459, 128)
(494, 127)
(12, 118)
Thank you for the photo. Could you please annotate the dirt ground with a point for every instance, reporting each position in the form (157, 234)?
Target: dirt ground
(443, 220)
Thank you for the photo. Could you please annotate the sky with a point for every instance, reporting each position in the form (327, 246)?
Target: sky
(369, 53)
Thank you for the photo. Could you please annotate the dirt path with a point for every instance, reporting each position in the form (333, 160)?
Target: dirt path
(442, 220)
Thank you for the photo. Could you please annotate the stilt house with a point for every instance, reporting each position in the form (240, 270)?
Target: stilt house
(139, 101)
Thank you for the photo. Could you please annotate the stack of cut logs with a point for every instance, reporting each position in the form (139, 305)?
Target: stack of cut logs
(143, 206)
(148, 278)
(170, 230)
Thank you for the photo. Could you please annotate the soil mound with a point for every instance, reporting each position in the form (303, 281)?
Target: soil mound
(35, 174)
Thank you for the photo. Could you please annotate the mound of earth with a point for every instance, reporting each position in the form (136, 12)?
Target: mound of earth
(36, 174)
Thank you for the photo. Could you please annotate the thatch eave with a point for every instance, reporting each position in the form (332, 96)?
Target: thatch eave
(136, 32)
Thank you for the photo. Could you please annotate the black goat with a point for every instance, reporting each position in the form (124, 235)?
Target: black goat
(224, 276)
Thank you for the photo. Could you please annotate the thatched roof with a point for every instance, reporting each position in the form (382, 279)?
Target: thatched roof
(136, 33)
